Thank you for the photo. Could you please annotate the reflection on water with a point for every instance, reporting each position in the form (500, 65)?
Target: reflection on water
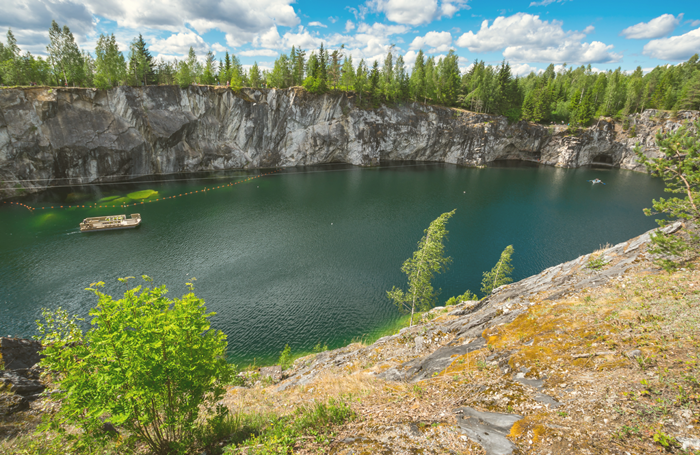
(307, 255)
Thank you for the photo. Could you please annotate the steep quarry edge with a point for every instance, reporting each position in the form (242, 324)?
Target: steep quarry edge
(72, 136)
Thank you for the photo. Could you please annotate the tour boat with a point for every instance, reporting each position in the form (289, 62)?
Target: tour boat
(109, 223)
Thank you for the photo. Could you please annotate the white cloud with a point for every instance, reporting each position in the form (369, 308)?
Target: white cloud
(333, 19)
(349, 26)
(523, 69)
(270, 38)
(547, 2)
(261, 52)
(588, 30)
(437, 41)
(574, 52)
(240, 21)
(527, 38)
(179, 44)
(520, 29)
(301, 39)
(317, 24)
(655, 28)
(416, 12)
(218, 47)
(694, 23)
(674, 48)
(410, 58)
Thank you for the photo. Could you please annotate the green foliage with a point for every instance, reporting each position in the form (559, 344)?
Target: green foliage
(679, 167)
(665, 441)
(149, 364)
(286, 359)
(281, 434)
(110, 66)
(319, 348)
(426, 261)
(596, 262)
(500, 273)
(466, 297)
(64, 55)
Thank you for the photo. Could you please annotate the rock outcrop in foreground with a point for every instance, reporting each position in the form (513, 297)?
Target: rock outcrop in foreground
(593, 356)
(76, 136)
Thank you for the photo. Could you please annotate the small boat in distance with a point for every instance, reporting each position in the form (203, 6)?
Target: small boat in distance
(594, 181)
(109, 223)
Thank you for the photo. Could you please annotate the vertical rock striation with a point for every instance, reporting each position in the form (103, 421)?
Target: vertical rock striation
(77, 136)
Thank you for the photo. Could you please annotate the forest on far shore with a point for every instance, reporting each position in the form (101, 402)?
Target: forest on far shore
(573, 95)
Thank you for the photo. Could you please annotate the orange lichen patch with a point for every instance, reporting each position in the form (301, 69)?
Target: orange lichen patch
(467, 362)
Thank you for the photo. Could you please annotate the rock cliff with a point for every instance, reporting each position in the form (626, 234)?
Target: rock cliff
(77, 136)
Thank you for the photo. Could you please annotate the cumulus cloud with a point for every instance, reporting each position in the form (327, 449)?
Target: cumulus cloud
(674, 48)
(523, 69)
(575, 52)
(416, 12)
(261, 52)
(693, 23)
(655, 28)
(525, 37)
(588, 30)
(437, 41)
(317, 24)
(236, 18)
(179, 43)
(218, 47)
(349, 26)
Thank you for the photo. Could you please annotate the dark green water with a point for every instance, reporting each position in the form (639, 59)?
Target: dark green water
(306, 255)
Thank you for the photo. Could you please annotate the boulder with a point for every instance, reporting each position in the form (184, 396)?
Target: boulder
(17, 353)
(274, 373)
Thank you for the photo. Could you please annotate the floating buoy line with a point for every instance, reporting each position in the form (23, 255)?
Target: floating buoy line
(100, 206)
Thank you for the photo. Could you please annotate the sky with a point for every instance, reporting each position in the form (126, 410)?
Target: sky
(529, 34)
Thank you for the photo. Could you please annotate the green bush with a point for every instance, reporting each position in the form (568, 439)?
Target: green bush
(149, 364)
(286, 359)
(466, 297)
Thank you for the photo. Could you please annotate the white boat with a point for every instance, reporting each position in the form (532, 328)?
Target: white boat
(110, 223)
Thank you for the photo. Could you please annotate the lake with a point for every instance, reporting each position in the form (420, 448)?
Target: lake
(306, 255)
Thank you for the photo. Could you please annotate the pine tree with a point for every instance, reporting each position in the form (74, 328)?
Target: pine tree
(141, 66)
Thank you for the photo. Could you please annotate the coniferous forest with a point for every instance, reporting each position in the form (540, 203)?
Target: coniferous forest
(574, 95)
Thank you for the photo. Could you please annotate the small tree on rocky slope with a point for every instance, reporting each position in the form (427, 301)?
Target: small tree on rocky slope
(679, 167)
(500, 273)
(426, 261)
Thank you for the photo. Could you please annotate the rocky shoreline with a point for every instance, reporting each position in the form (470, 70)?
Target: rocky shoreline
(74, 136)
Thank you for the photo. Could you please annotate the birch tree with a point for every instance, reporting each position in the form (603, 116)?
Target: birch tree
(500, 273)
(426, 261)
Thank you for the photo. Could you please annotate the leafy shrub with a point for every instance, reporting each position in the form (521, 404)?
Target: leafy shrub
(148, 363)
(466, 297)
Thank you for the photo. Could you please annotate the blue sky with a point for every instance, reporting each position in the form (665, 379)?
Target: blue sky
(529, 34)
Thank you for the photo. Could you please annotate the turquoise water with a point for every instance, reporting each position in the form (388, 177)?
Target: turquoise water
(306, 255)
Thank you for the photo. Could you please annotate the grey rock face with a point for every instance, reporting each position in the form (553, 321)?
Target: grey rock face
(18, 353)
(77, 136)
(488, 429)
